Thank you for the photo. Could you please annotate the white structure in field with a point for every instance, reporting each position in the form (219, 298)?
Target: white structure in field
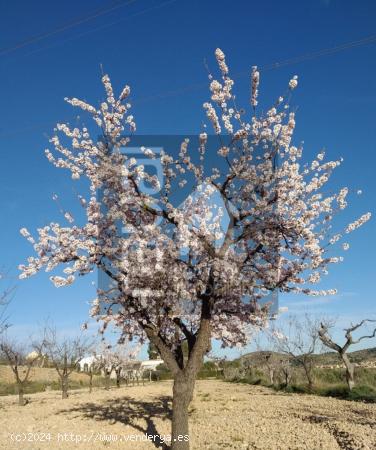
(40, 359)
(87, 362)
(151, 364)
(129, 367)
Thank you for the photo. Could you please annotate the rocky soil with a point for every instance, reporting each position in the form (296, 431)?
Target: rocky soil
(222, 416)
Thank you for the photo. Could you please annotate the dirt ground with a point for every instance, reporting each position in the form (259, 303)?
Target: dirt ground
(222, 416)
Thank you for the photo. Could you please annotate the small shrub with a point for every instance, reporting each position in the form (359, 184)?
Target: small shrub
(296, 389)
(338, 391)
(364, 393)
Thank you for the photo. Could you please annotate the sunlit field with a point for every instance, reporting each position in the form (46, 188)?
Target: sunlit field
(222, 415)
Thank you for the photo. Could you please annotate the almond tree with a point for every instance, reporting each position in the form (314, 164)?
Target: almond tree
(328, 341)
(219, 362)
(103, 365)
(91, 371)
(300, 341)
(113, 359)
(152, 351)
(64, 354)
(272, 363)
(267, 356)
(121, 355)
(20, 362)
(93, 368)
(176, 276)
(6, 296)
(285, 371)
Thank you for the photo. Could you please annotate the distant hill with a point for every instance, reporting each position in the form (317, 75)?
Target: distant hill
(359, 356)
(362, 357)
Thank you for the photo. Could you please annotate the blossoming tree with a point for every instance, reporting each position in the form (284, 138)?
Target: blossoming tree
(176, 277)
(113, 359)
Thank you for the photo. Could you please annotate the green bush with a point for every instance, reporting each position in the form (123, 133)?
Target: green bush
(162, 372)
(327, 382)
(338, 376)
(295, 389)
(364, 393)
(7, 389)
(360, 392)
(330, 376)
(339, 391)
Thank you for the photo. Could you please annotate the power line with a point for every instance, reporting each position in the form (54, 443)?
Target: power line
(198, 86)
(324, 52)
(265, 68)
(64, 27)
(105, 25)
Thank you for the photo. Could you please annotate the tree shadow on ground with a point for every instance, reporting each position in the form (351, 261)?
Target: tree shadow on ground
(128, 411)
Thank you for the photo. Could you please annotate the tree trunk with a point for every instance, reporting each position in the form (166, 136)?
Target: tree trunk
(64, 387)
(184, 378)
(308, 373)
(182, 396)
(287, 377)
(349, 371)
(271, 376)
(91, 383)
(21, 400)
(107, 380)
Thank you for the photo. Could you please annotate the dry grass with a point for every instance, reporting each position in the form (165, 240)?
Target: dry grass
(47, 375)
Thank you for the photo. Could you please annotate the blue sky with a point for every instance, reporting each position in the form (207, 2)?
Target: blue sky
(159, 49)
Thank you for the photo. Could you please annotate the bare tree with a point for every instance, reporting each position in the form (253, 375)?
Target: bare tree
(299, 339)
(285, 371)
(272, 364)
(114, 359)
(64, 354)
(104, 364)
(91, 371)
(131, 372)
(268, 357)
(21, 363)
(342, 349)
(6, 295)
(218, 361)
(119, 358)
(277, 365)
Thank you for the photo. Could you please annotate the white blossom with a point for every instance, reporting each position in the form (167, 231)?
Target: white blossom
(293, 82)
(168, 259)
(255, 81)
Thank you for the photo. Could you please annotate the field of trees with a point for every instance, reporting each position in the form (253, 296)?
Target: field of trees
(268, 369)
